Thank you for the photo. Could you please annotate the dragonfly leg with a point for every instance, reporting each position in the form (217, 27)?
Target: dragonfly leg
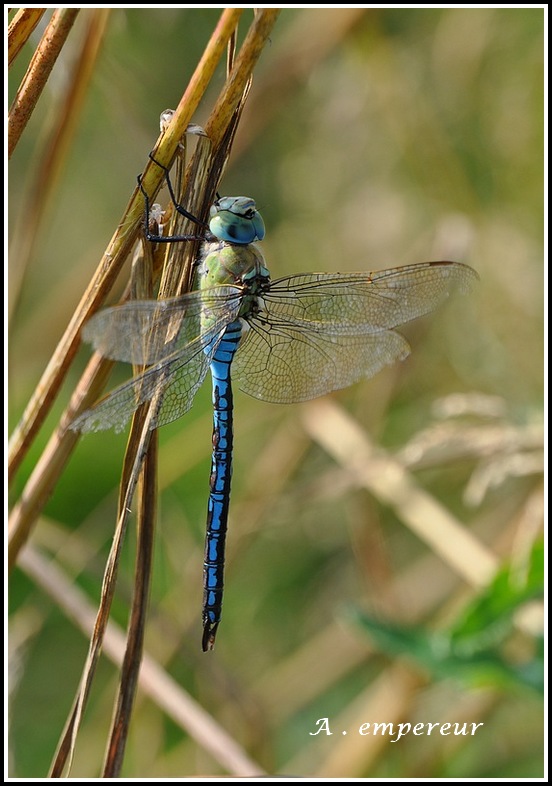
(177, 206)
(156, 238)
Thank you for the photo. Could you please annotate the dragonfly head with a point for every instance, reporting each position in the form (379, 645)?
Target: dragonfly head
(236, 220)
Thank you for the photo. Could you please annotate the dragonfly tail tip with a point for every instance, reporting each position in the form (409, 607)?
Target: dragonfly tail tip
(209, 635)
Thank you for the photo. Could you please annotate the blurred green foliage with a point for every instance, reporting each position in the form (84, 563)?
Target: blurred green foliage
(401, 136)
(470, 649)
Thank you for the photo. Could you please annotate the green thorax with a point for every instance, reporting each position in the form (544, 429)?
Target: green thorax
(237, 265)
(231, 258)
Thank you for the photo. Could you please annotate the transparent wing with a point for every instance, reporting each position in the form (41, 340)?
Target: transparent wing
(353, 303)
(288, 365)
(321, 332)
(169, 333)
(176, 379)
(147, 331)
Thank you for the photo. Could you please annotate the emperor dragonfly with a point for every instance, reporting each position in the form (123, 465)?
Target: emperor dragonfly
(286, 340)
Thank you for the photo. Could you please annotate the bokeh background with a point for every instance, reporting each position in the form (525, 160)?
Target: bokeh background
(373, 138)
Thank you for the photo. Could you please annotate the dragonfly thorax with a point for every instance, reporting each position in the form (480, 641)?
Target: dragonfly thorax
(226, 264)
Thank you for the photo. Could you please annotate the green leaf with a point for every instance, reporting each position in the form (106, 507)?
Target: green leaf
(469, 649)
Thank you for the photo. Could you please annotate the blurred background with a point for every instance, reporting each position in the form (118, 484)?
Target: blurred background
(372, 138)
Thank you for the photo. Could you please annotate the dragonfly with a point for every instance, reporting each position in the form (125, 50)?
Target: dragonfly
(282, 340)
